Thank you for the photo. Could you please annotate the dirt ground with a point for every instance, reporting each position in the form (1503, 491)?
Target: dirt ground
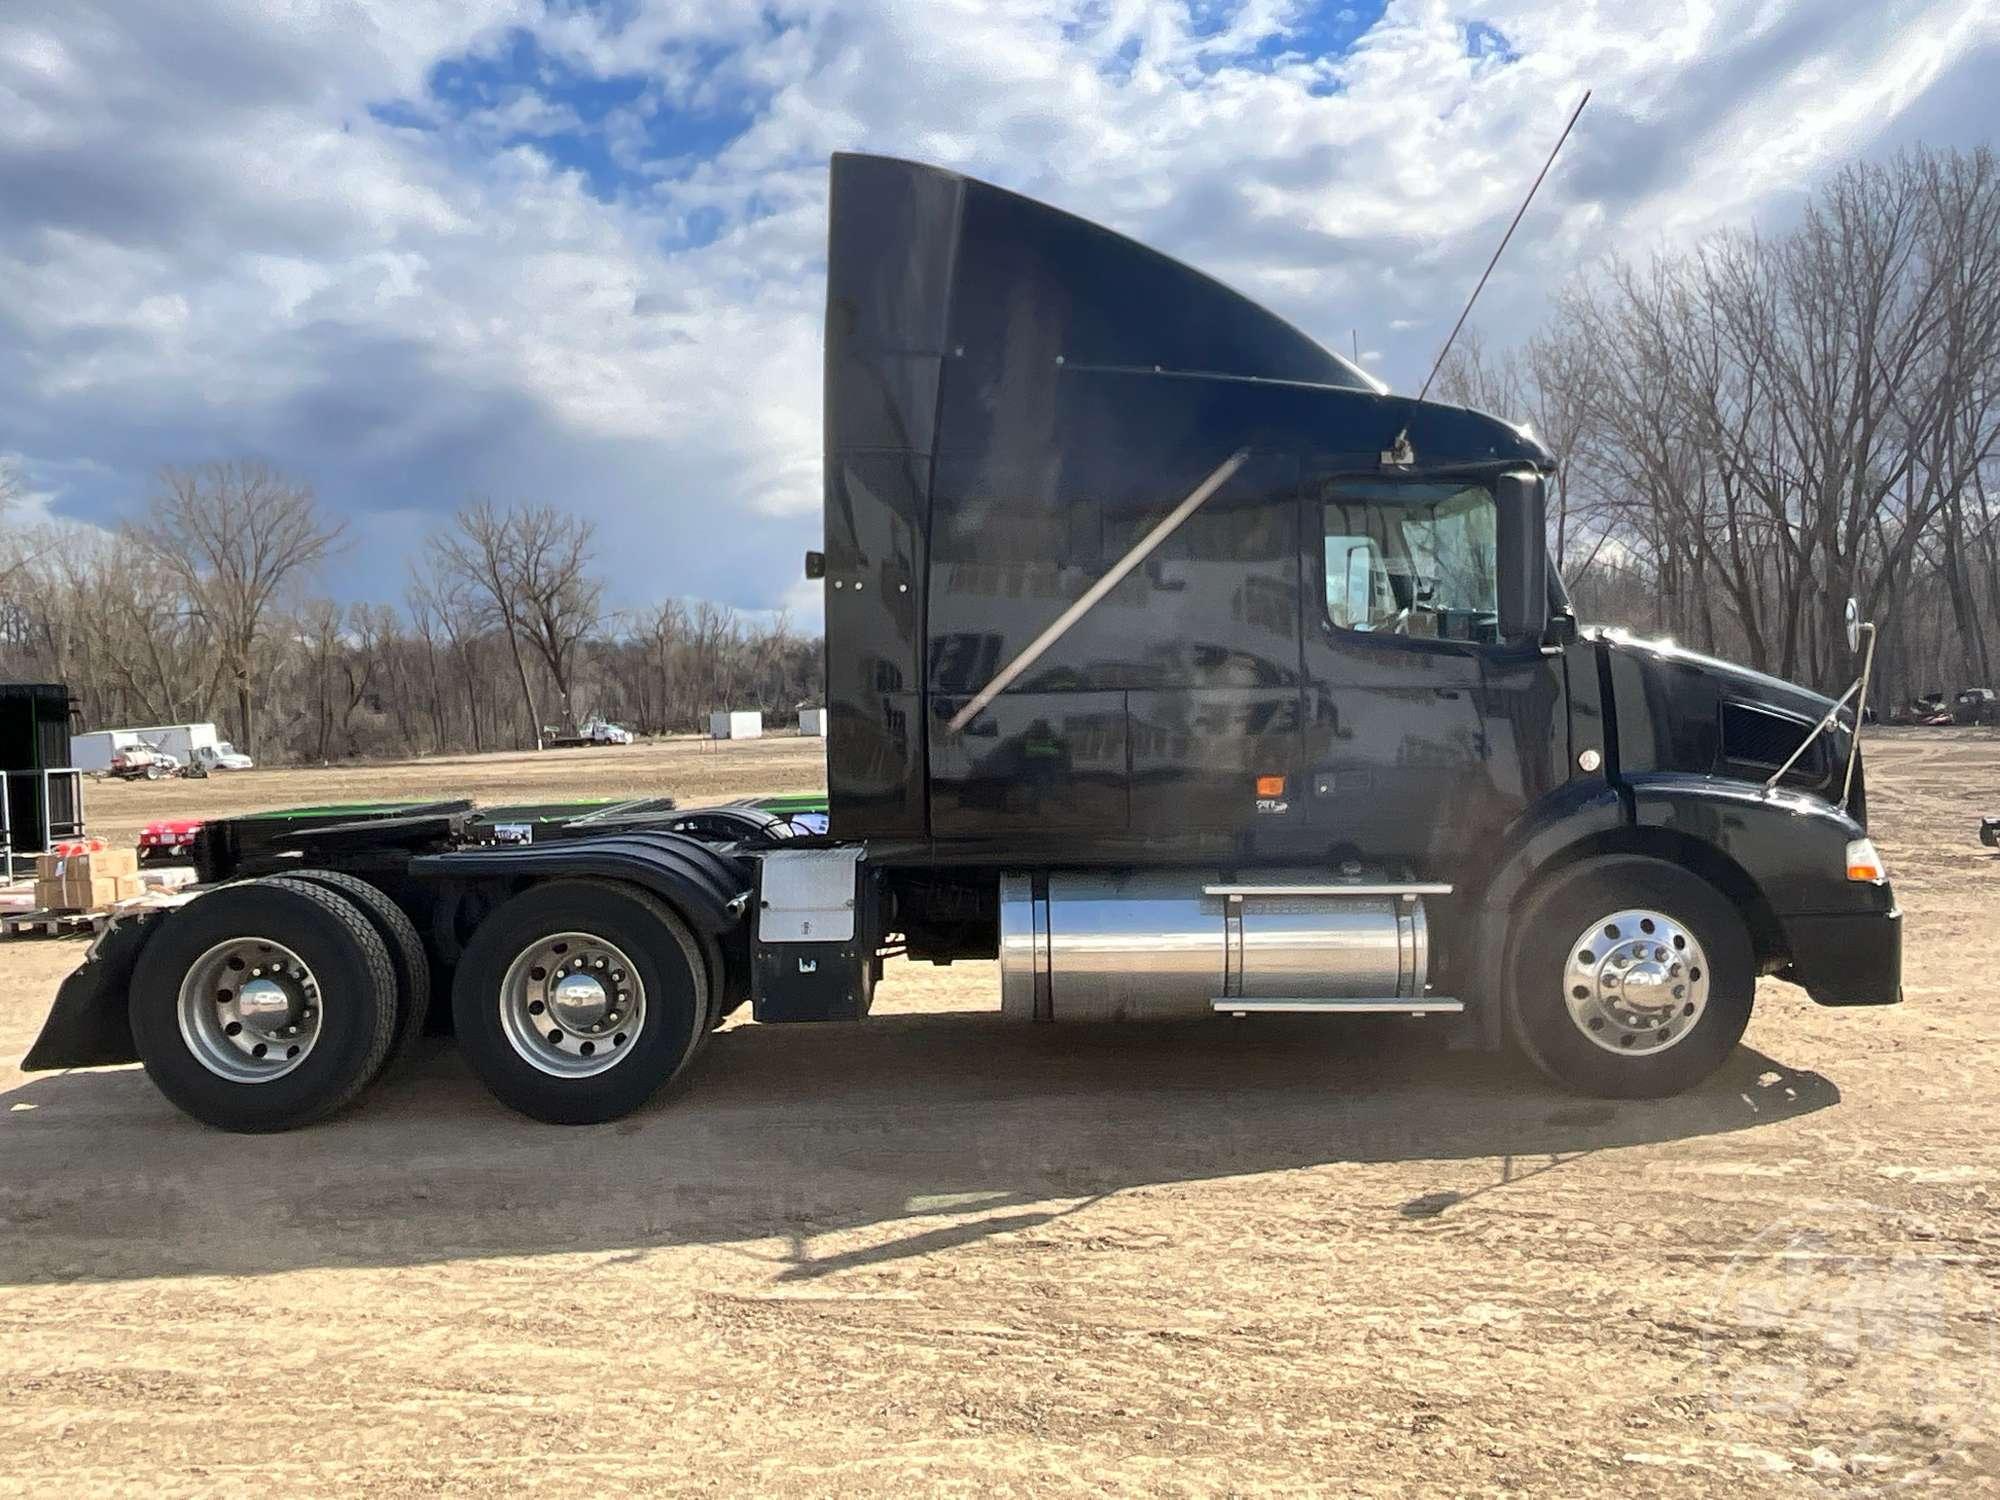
(938, 1252)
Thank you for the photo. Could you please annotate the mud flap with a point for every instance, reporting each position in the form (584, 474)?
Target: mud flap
(89, 1025)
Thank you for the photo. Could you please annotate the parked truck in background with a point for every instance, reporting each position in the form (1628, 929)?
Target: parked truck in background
(595, 730)
(1172, 661)
(195, 749)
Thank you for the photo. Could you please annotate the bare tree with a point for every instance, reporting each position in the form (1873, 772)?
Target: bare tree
(1757, 428)
(319, 633)
(528, 567)
(440, 592)
(478, 556)
(660, 634)
(234, 535)
(427, 623)
(560, 603)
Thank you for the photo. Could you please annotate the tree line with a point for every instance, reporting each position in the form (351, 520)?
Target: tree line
(203, 610)
(1752, 430)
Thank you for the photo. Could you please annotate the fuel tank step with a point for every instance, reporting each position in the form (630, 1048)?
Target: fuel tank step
(1406, 889)
(1433, 1005)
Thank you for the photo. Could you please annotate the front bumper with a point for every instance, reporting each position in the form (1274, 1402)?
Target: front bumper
(1848, 958)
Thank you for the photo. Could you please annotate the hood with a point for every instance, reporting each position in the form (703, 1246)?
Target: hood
(1741, 681)
(1680, 711)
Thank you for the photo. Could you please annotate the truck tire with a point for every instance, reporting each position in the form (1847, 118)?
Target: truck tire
(1630, 978)
(406, 955)
(264, 1006)
(577, 1000)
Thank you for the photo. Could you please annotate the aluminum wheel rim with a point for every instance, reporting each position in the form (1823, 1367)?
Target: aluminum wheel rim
(250, 1010)
(1636, 982)
(572, 1005)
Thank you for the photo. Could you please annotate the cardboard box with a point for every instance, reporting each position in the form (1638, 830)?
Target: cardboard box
(86, 882)
(113, 863)
(120, 864)
(85, 895)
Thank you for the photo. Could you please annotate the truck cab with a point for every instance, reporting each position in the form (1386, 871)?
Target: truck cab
(1173, 661)
(221, 756)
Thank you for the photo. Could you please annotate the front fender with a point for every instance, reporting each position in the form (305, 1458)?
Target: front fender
(1781, 856)
(1793, 847)
(1841, 939)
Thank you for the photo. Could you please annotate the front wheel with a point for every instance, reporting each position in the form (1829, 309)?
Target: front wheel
(1632, 978)
(576, 1000)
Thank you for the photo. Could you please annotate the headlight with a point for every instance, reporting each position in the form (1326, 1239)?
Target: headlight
(1863, 863)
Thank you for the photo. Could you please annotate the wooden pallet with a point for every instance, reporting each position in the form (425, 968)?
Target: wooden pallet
(50, 923)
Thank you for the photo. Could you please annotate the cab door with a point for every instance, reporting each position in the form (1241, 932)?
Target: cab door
(1398, 620)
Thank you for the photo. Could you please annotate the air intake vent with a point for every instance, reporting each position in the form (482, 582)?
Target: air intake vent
(1755, 739)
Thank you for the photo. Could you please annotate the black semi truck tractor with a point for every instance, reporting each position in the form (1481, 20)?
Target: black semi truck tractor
(1172, 660)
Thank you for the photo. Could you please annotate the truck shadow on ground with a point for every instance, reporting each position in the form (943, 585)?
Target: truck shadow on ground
(798, 1132)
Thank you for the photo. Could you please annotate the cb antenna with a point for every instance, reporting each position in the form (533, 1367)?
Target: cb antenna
(1399, 451)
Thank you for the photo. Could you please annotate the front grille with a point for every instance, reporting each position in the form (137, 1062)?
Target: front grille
(1757, 740)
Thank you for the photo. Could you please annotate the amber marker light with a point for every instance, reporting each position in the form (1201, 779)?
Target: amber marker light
(1863, 863)
(1270, 786)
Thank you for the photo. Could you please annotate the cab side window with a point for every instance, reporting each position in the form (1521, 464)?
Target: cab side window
(1411, 559)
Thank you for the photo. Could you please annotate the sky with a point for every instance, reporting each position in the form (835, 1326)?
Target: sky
(419, 251)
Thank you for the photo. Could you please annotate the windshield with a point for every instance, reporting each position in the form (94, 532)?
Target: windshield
(1411, 559)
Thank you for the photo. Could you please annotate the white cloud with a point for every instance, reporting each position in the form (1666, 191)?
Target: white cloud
(211, 246)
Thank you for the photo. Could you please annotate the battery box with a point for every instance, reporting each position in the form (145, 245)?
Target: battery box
(813, 954)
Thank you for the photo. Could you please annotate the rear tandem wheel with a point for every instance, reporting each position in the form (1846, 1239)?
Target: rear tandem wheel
(406, 954)
(577, 1000)
(263, 1006)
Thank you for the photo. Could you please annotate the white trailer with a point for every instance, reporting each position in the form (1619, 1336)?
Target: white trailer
(96, 750)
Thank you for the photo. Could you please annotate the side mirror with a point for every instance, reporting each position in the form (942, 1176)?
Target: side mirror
(1522, 560)
(1853, 624)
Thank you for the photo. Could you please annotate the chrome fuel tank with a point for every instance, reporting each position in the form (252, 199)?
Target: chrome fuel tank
(1166, 945)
